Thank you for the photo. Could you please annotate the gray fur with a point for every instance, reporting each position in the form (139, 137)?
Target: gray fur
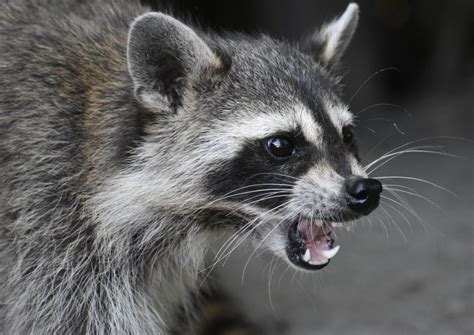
(160, 46)
(329, 43)
(106, 207)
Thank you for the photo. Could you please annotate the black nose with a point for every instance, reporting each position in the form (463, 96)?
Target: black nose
(363, 195)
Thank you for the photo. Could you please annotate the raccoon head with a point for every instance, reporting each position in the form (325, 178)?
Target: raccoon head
(251, 133)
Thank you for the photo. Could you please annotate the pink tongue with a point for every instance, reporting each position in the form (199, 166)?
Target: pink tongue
(317, 247)
(316, 239)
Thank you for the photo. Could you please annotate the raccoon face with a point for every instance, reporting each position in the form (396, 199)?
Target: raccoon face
(260, 134)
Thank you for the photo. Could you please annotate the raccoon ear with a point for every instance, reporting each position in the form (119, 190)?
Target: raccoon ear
(165, 57)
(329, 43)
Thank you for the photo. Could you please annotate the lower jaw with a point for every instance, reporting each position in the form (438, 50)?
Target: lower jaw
(300, 264)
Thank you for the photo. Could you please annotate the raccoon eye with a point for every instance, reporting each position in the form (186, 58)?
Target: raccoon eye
(347, 135)
(280, 146)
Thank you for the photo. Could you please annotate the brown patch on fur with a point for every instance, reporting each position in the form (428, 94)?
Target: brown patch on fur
(103, 79)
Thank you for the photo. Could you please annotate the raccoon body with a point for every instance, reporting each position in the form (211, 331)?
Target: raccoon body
(129, 140)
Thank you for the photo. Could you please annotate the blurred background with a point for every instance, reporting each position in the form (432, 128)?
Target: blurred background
(409, 76)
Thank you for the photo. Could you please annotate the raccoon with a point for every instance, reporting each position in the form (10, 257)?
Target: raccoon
(129, 140)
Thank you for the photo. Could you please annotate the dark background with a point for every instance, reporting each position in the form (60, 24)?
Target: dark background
(398, 275)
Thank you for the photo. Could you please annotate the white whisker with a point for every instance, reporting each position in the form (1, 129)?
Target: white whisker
(370, 78)
(415, 194)
(394, 223)
(419, 180)
(404, 206)
(261, 243)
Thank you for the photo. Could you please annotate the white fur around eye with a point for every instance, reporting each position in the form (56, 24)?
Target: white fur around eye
(338, 114)
(227, 138)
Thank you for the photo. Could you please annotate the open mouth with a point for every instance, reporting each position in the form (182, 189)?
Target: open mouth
(310, 245)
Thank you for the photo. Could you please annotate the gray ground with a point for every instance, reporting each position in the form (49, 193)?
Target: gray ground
(389, 277)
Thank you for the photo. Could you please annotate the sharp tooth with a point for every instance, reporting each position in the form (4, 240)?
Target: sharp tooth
(319, 262)
(307, 256)
(331, 253)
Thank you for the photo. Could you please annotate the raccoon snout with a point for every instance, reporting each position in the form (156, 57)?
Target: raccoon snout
(363, 195)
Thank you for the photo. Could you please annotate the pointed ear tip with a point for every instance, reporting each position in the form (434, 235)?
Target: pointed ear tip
(352, 7)
(351, 14)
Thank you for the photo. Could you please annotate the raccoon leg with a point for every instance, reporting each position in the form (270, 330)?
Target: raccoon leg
(214, 313)
(220, 316)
